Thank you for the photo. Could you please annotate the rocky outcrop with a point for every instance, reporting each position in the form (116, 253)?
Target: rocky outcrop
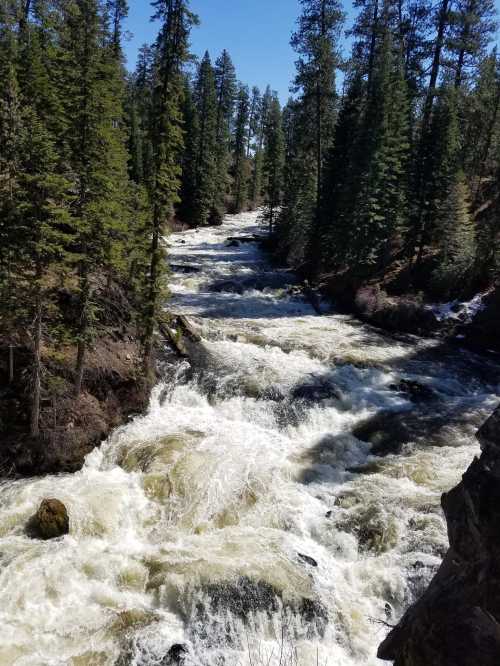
(394, 313)
(50, 521)
(482, 332)
(457, 621)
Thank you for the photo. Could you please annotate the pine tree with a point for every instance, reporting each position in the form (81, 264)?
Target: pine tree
(456, 240)
(253, 118)
(43, 204)
(274, 158)
(226, 89)
(381, 203)
(191, 126)
(341, 182)
(241, 167)
(167, 141)
(445, 159)
(473, 23)
(204, 207)
(255, 188)
(299, 206)
(422, 179)
(316, 42)
(98, 156)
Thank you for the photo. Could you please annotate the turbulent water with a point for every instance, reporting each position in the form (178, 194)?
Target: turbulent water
(241, 518)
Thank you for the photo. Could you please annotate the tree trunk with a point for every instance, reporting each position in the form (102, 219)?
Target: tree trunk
(83, 333)
(153, 295)
(421, 232)
(36, 376)
(463, 38)
(373, 45)
(11, 364)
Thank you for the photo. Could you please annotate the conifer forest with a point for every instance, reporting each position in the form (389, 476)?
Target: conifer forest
(282, 319)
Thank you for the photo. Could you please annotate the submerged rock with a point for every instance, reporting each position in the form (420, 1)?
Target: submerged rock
(175, 656)
(386, 431)
(246, 597)
(315, 392)
(50, 521)
(308, 560)
(414, 390)
(457, 620)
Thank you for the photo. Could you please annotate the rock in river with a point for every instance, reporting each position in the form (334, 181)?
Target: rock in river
(457, 620)
(50, 521)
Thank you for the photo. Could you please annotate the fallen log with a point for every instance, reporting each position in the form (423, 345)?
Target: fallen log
(178, 333)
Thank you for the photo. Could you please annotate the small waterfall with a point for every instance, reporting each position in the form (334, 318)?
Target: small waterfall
(278, 505)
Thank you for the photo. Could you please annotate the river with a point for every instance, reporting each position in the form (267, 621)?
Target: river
(240, 519)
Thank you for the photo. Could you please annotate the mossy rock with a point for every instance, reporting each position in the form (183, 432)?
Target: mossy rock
(50, 521)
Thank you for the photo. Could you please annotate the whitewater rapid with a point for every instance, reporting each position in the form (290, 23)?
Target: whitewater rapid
(240, 519)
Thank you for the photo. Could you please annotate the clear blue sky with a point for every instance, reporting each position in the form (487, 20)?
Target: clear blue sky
(255, 32)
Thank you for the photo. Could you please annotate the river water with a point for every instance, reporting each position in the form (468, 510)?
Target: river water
(241, 518)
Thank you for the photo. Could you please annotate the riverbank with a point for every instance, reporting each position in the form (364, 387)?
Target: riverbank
(70, 426)
(470, 322)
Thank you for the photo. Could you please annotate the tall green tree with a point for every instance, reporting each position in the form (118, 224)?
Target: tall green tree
(241, 167)
(167, 141)
(226, 90)
(456, 241)
(274, 159)
(255, 188)
(380, 206)
(317, 44)
(204, 208)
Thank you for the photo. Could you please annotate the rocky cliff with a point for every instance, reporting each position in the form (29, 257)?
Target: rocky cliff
(457, 621)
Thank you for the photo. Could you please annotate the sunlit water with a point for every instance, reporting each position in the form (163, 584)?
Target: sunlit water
(200, 523)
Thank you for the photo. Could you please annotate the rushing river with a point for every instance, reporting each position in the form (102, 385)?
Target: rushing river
(241, 520)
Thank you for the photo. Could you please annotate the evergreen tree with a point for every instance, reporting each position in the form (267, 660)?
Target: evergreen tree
(254, 118)
(241, 167)
(473, 23)
(274, 157)
(188, 194)
(299, 206)
(11, 127)
(167, 141)
(456, 240)
(226, 90)
(255, 189)
(381, 202)
(98, 155)
(204, 207)
(316, 42)
(43, 204)
(340, 183)
(444, 162)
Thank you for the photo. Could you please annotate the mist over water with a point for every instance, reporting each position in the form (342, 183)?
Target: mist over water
(241, 518)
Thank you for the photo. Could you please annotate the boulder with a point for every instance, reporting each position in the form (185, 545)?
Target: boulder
(307, 559)
(482, 332)
(175, 656)
(415, 391)
(457, 620)
(50, 521)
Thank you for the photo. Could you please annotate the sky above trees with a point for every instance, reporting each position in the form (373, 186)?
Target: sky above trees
(256, 34)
